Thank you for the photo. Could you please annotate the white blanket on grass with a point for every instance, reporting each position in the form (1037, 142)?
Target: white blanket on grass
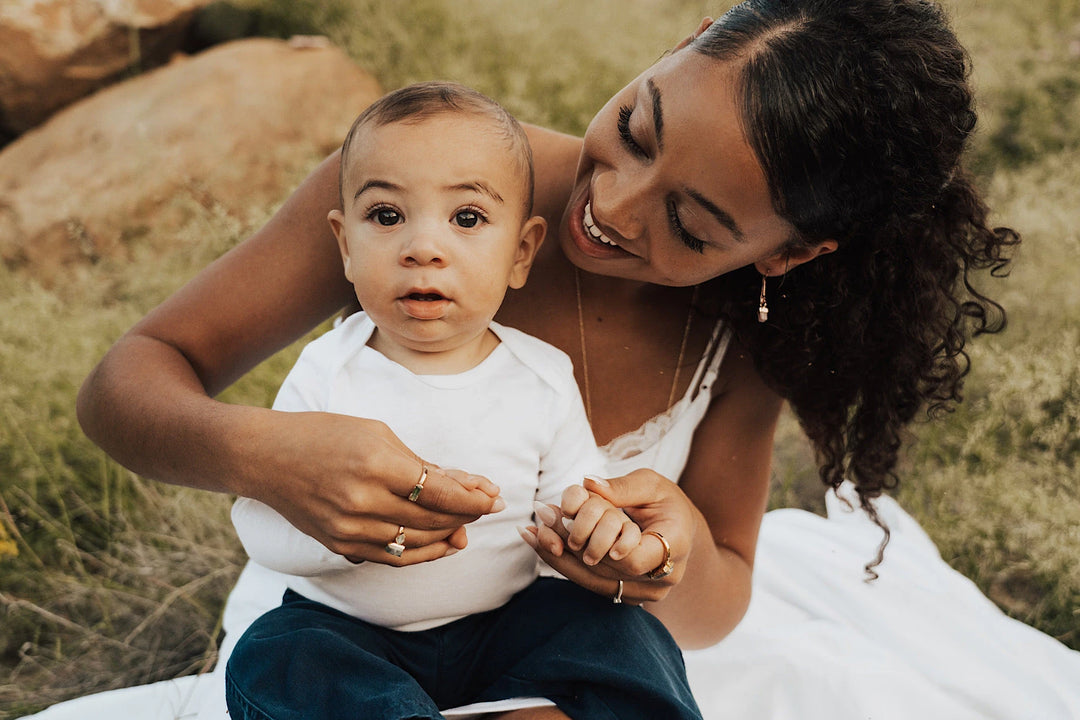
(817, 642)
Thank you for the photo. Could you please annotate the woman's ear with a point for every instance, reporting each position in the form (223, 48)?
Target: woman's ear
(705, 23)
(532, 237)
(785, 260)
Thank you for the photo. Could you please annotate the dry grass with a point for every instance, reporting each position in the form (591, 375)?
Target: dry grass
(109, 580)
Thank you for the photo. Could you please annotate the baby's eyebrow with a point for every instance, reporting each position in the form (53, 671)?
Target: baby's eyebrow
(481, 187)
(381, 184)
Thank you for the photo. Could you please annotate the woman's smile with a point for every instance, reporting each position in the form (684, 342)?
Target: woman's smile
(587, 237)
(595, 232)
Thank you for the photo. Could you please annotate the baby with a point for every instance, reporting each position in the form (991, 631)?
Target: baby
(435, 225)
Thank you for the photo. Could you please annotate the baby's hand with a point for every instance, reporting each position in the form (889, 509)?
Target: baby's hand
(466, 480)
(596, 525)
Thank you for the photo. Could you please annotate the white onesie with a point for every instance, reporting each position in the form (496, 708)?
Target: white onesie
(516, 418)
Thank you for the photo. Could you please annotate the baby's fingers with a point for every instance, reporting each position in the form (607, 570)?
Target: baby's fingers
(573, 498)
(613, 535)
(629, 539)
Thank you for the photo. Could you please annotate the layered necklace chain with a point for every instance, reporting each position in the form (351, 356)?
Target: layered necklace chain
(585, 354)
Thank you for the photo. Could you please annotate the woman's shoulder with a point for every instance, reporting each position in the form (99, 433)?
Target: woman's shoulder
(555, 157)
(738, 375)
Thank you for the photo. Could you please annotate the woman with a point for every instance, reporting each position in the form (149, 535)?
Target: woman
(779, 201)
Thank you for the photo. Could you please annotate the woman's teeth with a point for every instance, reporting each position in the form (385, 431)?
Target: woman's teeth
(594, 231)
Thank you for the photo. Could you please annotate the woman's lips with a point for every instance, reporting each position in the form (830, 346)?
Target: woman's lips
(589, 238)
(590, 227)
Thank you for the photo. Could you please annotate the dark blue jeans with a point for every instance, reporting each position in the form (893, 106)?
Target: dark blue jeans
(594, 659)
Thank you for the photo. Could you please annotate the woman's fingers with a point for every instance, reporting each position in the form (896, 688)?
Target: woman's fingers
(600, 579)
(455, 494)
(401, 546)
(440, 489)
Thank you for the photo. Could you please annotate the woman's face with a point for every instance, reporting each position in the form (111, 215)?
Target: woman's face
(668, 190)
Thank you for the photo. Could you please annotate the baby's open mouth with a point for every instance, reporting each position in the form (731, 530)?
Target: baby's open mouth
(425, 297)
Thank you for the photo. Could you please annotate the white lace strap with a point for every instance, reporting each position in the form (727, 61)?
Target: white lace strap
(709, 366)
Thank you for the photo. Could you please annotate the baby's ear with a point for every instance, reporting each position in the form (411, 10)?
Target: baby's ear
(531, 238)
(337, 224)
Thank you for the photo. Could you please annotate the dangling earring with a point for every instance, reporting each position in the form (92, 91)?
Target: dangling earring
(763, 307)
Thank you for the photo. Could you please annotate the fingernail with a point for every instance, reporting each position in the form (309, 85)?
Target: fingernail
(589, 561)
(545, 513)
(568, 523)
(450, 552)
(499, 505)
(598, 480)
(527, 536)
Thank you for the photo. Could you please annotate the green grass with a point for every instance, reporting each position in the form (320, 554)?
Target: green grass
(108, 580)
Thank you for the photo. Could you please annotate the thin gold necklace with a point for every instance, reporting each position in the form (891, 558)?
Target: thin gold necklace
(585, 354)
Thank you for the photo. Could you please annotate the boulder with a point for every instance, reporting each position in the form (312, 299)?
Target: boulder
(53, 52)
(232, 129)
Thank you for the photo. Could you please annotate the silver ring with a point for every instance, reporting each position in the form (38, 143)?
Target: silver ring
(397, 547)
(414, 495)
(618, 594)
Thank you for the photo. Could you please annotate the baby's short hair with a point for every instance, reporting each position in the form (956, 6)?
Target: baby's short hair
(421, 101)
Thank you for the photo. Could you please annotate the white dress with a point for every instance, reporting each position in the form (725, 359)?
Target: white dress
(818, 642)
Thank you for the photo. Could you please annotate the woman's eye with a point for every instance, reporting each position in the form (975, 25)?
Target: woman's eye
(624, 132)
(467, 218)
(386, 216)
(682, 233)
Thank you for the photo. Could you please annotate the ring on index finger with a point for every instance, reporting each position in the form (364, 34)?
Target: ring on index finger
(415, 494)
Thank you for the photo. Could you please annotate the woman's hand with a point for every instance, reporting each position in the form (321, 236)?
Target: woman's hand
(346, 482)
(655, 504)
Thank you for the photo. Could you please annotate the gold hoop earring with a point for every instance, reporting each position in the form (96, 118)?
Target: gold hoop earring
(763, 307)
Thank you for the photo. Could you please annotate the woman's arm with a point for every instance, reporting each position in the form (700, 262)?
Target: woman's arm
(727, 480)
(711, 519)
(149, 402)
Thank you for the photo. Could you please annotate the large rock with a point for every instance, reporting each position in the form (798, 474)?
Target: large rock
(231, 128)
(53, 52)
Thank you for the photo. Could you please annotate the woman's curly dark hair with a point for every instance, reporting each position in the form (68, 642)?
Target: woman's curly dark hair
(859, 111)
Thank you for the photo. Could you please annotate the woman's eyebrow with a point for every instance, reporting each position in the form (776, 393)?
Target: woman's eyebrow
(657, 113)
(722, 216)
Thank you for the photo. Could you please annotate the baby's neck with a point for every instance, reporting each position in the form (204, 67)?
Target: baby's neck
(450, 360)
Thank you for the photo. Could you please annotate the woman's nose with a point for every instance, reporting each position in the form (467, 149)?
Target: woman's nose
(619, 201)
(423, 247)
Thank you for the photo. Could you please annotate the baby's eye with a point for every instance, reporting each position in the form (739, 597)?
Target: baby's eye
(467, 218)
(386, 216)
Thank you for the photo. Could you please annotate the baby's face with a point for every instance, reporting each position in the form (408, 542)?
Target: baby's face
(433, 228)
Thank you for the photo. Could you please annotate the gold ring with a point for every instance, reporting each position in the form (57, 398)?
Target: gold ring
(618, 594)
(415, 494)
(667, 565)
(398, 546)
